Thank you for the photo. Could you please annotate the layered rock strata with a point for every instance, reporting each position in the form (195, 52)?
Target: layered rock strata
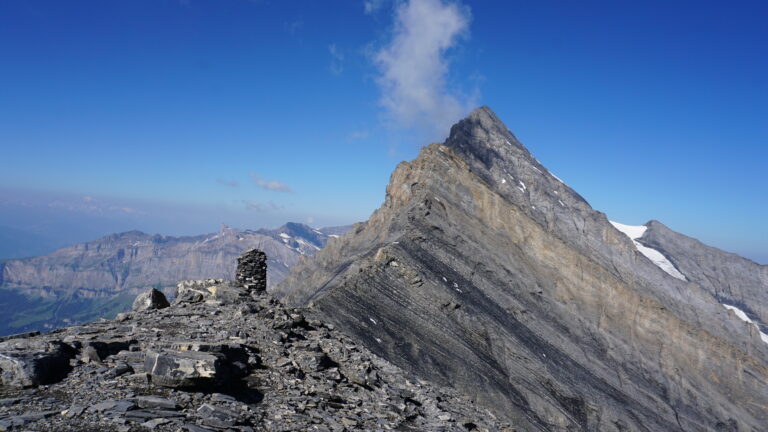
(485, 272)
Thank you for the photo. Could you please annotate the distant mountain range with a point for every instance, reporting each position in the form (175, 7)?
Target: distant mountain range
(100, 278)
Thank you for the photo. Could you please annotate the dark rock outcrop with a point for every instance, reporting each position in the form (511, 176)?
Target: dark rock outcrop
(485, 272)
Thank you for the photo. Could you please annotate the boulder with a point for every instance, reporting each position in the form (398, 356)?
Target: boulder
(187, 369)
(29, 362)
(152, 299)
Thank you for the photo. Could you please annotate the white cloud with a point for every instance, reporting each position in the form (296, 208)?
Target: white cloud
(414, 66)
(272, 185)
(337, 60)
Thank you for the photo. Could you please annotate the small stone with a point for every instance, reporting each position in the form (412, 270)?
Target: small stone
(74, 411)
(152, 424)
(155, 402)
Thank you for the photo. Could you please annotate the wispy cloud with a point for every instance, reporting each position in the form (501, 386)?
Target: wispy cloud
(294, 27)
(337, 60)
(358, 135)
(272, 185)
(228, 183)
(261, 207)
(373, 6)
(414, 65)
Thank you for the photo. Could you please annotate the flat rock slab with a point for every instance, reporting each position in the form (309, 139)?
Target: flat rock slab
(155, 402)
(186, 369)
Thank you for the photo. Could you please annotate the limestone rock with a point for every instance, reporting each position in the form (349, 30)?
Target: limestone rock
(150, 300)
(485, 272)
(187, 369)
(31, 362)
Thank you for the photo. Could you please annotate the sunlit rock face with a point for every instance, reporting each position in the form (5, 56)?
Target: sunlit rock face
(483, 271)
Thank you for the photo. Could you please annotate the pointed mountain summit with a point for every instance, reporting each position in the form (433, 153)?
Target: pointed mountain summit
(481, 270)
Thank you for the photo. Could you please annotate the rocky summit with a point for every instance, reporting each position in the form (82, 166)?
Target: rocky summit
(485, 272)
(229, 359)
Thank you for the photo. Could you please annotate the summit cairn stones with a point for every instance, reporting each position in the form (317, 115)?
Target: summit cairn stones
(252, 270)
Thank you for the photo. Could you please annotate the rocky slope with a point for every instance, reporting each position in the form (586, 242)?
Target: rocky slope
(101, 277)
(733, 280)
(229, 359)
(485, 272)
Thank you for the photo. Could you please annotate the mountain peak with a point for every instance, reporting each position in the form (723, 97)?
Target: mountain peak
(481, 129)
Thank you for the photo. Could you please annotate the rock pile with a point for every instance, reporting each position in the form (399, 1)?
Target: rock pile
(252, 270)
(214, 362)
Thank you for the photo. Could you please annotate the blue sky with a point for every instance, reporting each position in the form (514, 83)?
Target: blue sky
(175, 116)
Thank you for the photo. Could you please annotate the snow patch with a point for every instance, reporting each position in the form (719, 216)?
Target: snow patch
(503, 181)
(285, 236)
(634, 233)
(372, 320)
(743, 316)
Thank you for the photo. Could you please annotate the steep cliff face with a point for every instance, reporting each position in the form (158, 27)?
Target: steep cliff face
(483, 271)
(101, 277)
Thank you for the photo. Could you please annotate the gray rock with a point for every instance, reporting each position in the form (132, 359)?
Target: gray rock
(561, 323)
(155, 402)
(30, 362)
(154, 423)
(150, 300)
(187, 369)
(215, 416)
(729, 278)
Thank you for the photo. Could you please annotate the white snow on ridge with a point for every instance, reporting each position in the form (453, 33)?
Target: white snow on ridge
(743, 316)
(634, 233)
(285, 236)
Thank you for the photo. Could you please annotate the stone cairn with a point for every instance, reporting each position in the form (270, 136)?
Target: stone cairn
(252, 270)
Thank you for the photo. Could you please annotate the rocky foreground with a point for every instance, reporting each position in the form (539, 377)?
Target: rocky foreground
(224, 356)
